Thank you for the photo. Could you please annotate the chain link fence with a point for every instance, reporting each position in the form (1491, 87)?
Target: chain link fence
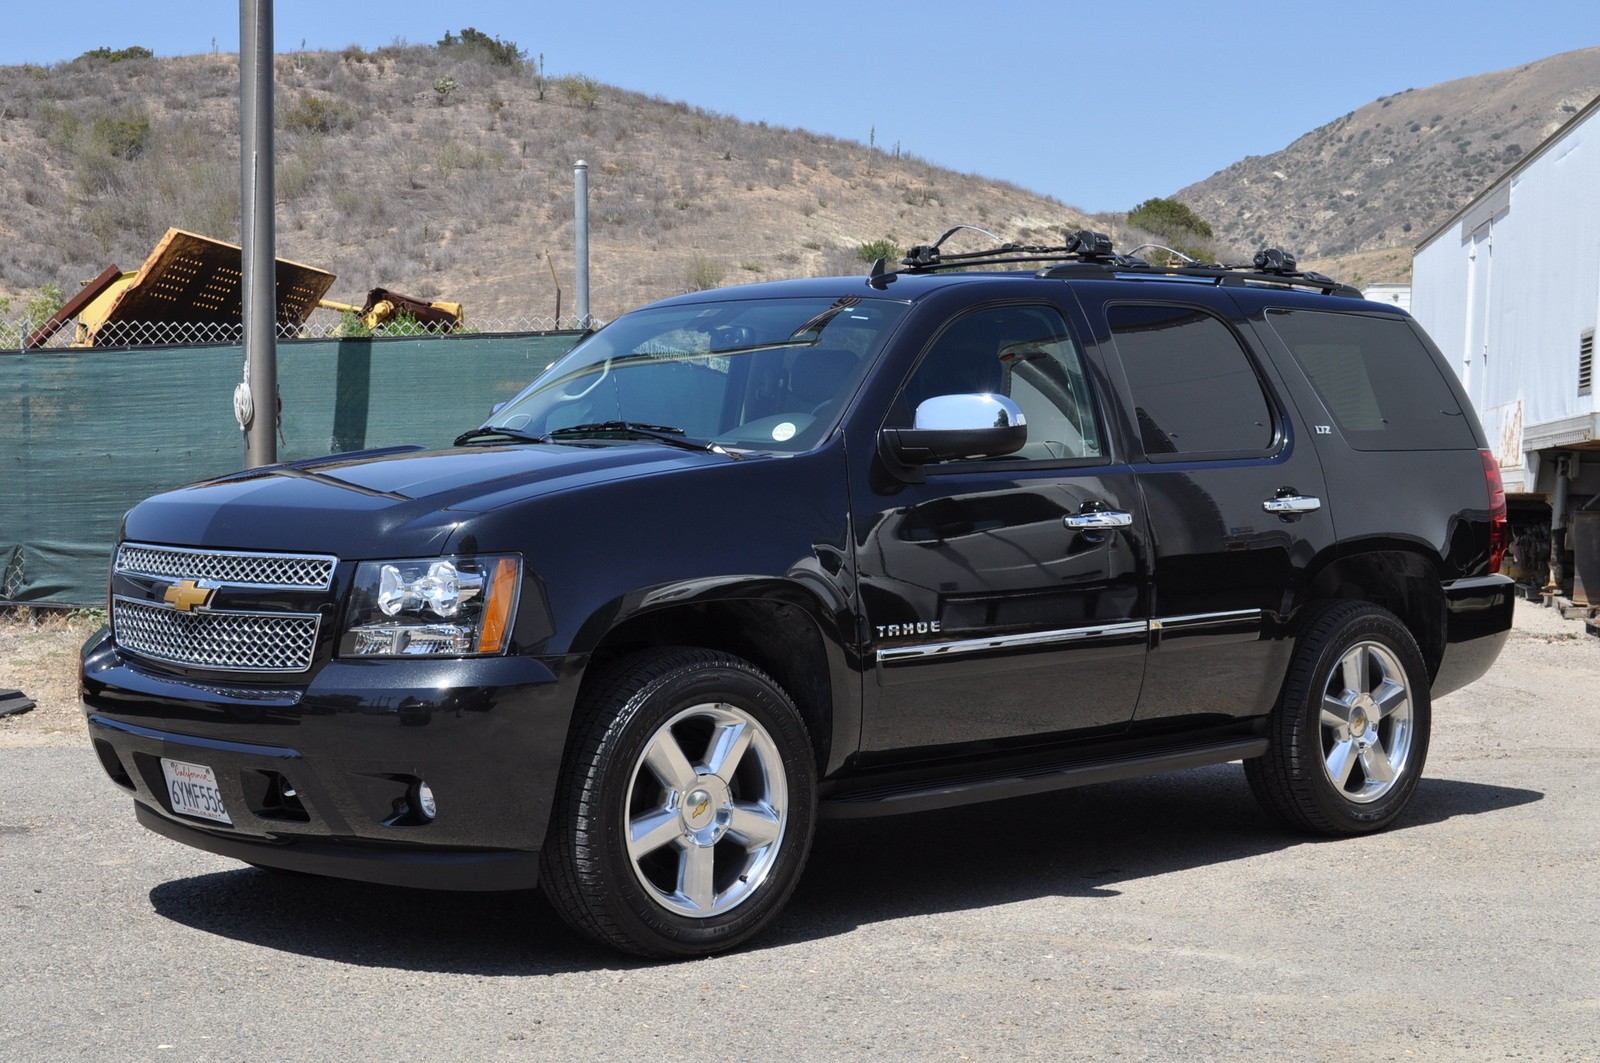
(15, 335)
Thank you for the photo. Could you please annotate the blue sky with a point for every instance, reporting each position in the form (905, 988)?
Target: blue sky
(1099, 104)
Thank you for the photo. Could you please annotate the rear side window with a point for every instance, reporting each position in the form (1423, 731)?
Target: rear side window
(1376, 378)
(1195, 390)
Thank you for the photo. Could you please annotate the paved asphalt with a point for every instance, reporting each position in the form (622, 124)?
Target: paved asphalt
(1161, 919)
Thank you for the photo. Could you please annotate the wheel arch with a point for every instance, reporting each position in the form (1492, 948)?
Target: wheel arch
(778, 626)
(1403, 581)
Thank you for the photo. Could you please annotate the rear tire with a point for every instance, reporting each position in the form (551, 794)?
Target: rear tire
(686, 806)
(1349, 734)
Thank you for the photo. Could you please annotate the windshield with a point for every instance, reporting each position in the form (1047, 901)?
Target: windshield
(756, 374)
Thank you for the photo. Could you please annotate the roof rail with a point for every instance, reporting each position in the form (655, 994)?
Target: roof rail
(1089, 254)
(1222, 275)
(1084, 245)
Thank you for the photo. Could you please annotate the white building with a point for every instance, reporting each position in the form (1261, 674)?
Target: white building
(1393, 294)
(1509, 288)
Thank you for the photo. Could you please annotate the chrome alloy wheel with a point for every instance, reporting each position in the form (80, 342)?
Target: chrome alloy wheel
(1366, 723)
(707, 805)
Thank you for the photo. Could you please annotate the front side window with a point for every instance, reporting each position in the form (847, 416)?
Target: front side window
(1195, 390)
(1024, 352)
(760, 374)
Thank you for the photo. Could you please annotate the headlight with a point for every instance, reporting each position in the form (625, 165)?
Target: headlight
(432, 607)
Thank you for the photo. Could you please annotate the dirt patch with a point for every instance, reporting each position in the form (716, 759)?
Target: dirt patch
(39, 656)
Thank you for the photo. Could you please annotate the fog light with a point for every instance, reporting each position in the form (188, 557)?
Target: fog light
(424, 803)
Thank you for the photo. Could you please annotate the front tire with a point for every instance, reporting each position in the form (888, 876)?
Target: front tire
(686, 806)
(1349, 734)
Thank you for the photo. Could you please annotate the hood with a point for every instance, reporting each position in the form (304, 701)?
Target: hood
(384, 503)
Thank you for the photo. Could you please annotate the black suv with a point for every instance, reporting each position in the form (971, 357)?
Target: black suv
(850, 546)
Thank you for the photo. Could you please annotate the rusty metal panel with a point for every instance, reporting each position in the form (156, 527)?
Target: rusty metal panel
(192, 279)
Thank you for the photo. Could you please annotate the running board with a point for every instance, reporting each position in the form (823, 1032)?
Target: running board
(874, 798)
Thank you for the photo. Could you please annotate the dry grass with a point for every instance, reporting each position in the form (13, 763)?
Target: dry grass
(386, 180)
(39, 656)
(1389, 265)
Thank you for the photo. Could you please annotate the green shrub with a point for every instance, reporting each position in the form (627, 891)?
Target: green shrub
(42, 305)
(480, 45)
(313, 114)
(124, 136)
(873, 250)
(133, 51)
(583, 91)
(1168, 217)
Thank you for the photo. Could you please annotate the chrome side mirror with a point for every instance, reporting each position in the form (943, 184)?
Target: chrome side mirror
(959, 426)
(963, 413)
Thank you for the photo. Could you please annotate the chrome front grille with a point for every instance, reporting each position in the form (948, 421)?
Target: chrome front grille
(235, 642)
(204, 608)
(309, 571)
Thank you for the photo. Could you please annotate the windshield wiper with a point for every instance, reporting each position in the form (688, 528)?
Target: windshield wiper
(634, 429)
(489, 432)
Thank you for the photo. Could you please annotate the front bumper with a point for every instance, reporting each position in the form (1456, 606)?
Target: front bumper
(321, 778)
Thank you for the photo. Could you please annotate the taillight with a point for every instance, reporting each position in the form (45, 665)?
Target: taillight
(1499, 528)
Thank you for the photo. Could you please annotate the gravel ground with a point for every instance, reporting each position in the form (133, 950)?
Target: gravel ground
(1157, 919)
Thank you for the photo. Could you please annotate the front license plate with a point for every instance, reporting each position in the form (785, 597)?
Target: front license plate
(192, 789)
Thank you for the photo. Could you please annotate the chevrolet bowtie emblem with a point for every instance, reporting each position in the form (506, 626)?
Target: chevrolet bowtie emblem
(188, 594)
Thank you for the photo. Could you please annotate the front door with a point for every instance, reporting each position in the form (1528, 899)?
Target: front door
(1004, 597)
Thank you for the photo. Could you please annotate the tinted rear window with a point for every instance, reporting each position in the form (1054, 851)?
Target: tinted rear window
(1379, 382)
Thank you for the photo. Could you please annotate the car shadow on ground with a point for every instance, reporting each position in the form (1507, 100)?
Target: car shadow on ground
(1074, 844)
(1079, 843)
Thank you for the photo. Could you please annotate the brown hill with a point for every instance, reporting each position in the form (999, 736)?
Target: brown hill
(1382, 176)
(442, 174)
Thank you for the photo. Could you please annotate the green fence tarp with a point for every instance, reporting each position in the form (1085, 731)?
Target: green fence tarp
(87, 433)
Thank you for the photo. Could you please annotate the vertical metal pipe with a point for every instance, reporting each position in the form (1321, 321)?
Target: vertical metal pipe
(580, 202)
(257, 231)
(247, 132)
(1558, 531)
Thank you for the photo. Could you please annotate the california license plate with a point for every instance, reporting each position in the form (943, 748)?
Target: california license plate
(192, 789)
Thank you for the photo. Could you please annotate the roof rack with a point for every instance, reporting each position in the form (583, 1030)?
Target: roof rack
(1089, 254)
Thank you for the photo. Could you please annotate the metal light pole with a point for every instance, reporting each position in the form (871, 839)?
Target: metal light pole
(256, 400)
(580, 202)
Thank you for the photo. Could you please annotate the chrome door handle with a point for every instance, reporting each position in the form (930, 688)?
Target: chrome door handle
(1292, 504)
(1098, 520)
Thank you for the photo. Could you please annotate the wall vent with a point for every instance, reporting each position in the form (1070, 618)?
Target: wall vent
(1586, 362)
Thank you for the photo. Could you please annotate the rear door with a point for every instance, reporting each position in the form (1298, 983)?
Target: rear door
(1399, 443)
(1236, 504)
